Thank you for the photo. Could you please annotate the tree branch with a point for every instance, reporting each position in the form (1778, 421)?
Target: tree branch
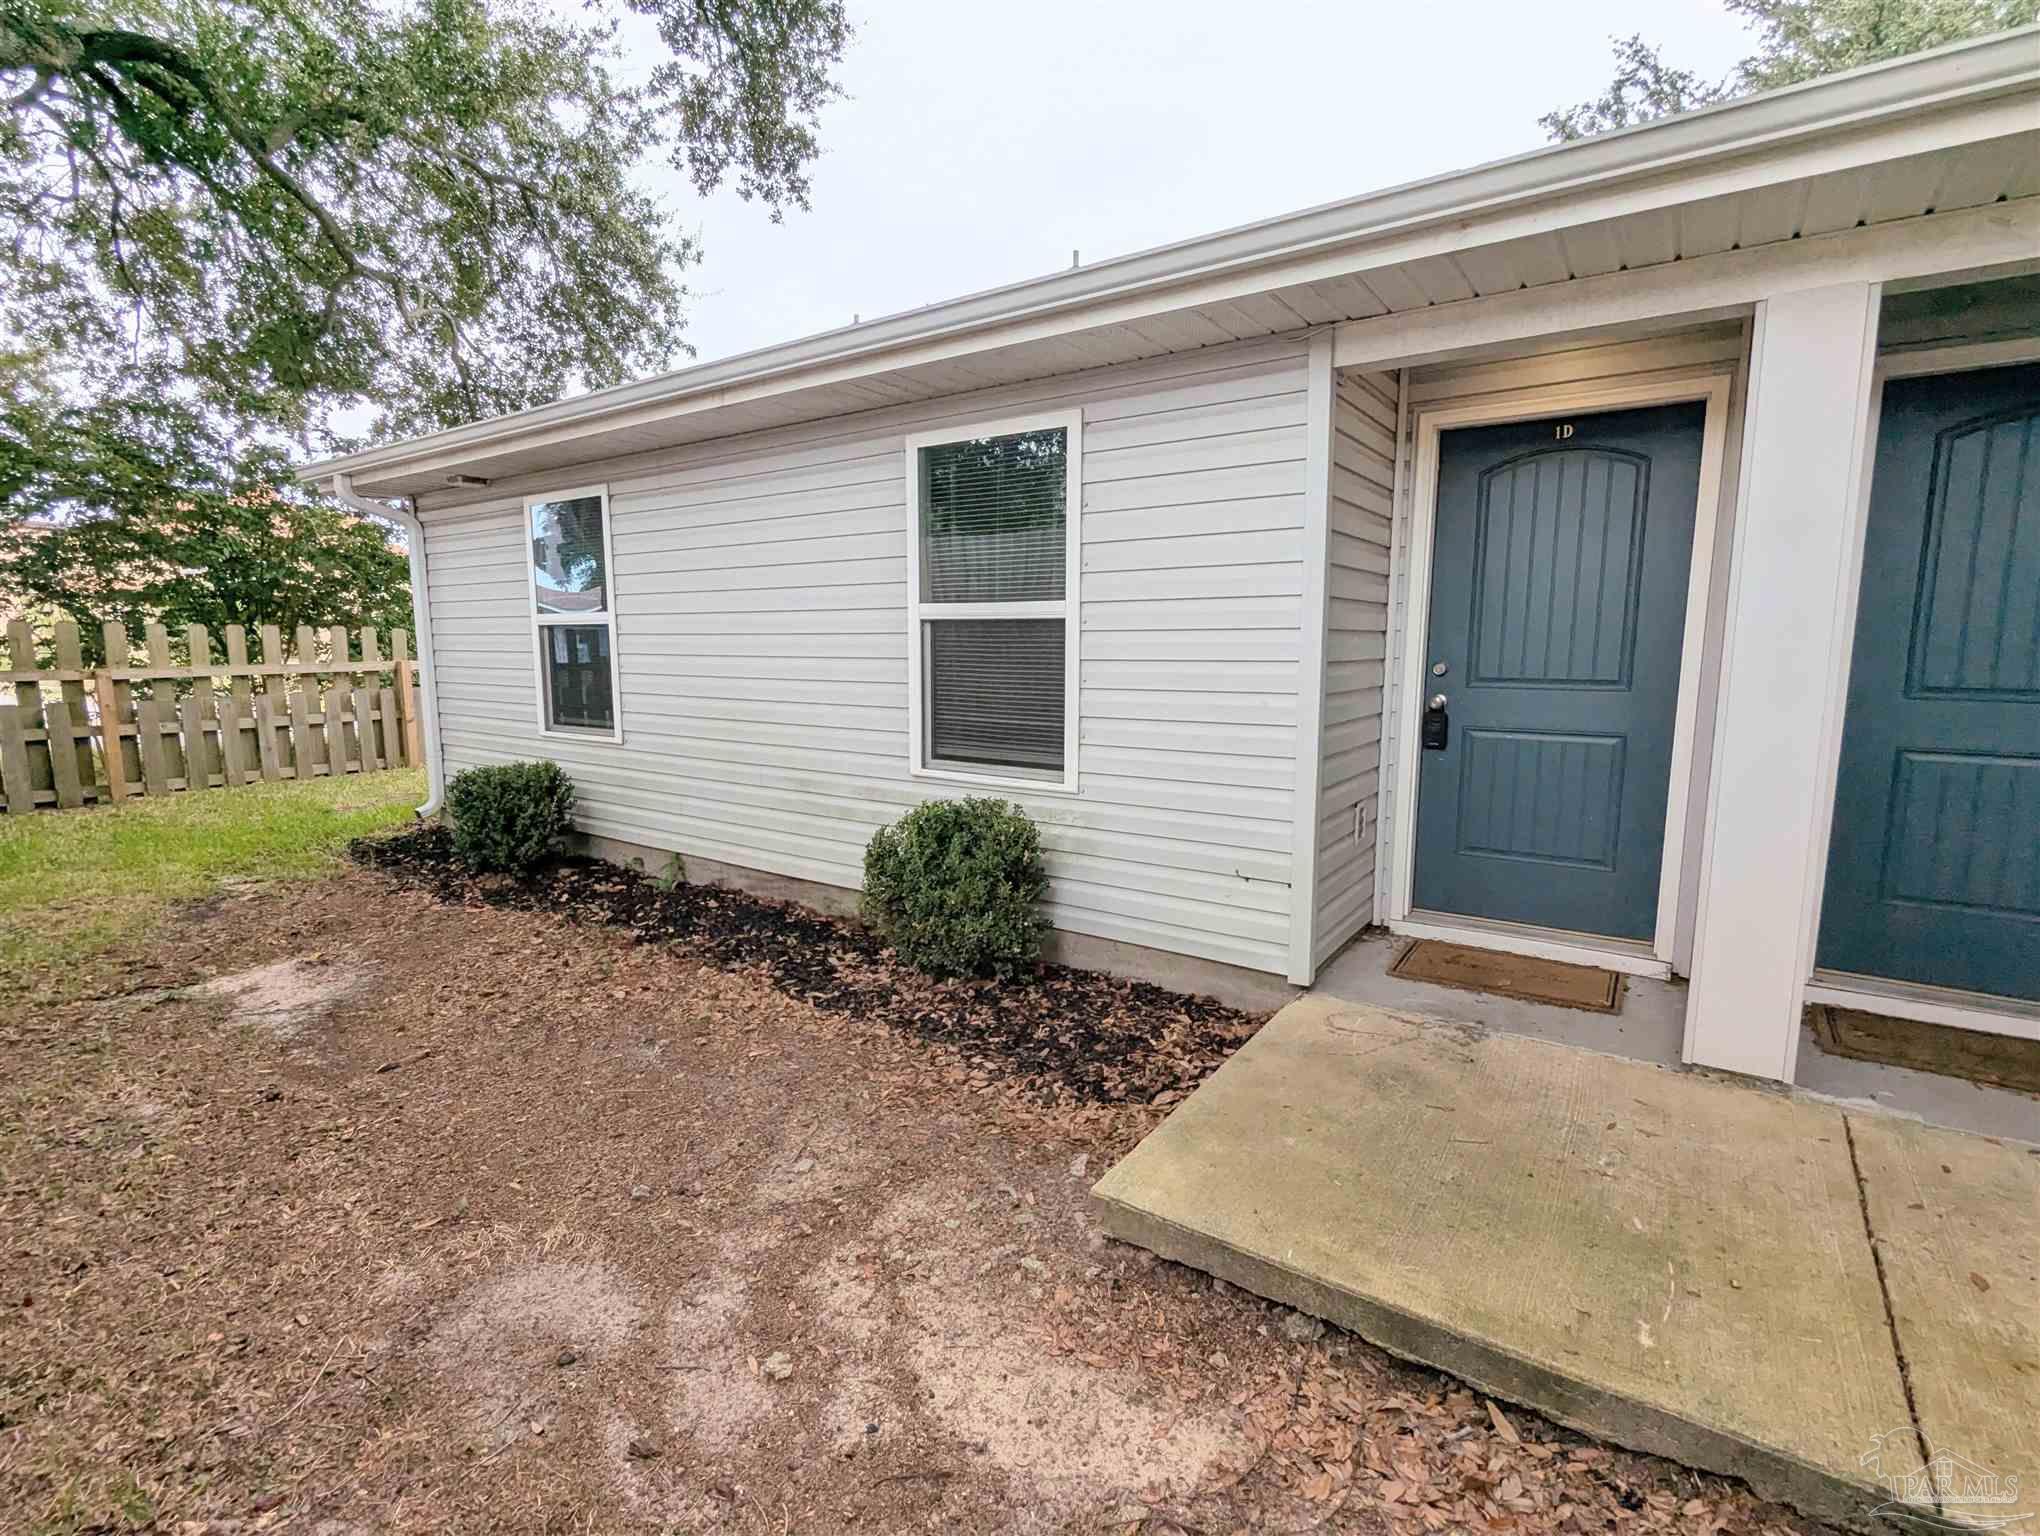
(37, 89)
(139, 57)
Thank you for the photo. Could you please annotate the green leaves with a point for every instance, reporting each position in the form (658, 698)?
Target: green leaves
(428, 206)
(163, 517)
(1799, 40)
(1644, 87)
(230, 221)
(1805, 39)
(955, 886)
(745, 85)
(510, 817)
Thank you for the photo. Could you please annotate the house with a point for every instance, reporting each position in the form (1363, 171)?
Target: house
(1627, 552)
(15, 605)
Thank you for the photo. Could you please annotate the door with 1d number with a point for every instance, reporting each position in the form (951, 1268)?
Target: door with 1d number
(1558, 601)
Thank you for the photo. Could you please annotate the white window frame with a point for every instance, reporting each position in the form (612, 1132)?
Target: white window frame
(1065, 608)
(541, 622)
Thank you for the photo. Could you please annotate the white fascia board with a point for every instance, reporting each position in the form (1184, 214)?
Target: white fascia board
(1998, 235)
(1913, 105)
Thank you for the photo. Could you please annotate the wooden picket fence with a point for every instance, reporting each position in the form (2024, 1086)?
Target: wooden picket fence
(76, 736)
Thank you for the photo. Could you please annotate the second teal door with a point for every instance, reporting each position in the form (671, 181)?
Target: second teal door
(1934, 867)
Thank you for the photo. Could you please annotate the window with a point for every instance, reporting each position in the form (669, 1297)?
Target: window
(572, 618)
(992, 601)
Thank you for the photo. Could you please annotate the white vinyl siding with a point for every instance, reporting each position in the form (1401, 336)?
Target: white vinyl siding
(1359, 516)
(760, 599)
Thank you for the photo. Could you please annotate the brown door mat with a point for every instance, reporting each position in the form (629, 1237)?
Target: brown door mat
(1521, 976)
(2003, 1061)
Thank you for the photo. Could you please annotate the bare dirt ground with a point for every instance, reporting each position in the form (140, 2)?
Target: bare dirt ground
(342, 1209)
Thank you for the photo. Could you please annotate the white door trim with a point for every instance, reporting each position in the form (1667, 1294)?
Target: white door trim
(1956, 358)
(1630, 957)
(1713, 390)
(1927, 1005)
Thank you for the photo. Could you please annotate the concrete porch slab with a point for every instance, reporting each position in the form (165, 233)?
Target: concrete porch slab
(1666, 1260)
(1956, 1220)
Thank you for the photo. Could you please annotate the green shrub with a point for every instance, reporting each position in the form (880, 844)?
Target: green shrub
(511, 816)
(955, 887)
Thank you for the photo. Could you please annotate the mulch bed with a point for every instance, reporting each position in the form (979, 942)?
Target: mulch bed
(1073, 1036)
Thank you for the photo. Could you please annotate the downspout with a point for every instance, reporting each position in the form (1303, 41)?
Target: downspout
(342, 488)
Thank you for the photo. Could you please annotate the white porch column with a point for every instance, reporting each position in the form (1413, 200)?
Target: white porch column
(1805, 449)
(1315, 607)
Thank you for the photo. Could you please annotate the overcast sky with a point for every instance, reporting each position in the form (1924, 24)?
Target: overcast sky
(971, 152)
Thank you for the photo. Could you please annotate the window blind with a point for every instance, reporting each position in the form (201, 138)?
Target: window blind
(993, 519)
(995, 691)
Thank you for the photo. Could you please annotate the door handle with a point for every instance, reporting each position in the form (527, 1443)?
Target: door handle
(1437, 727)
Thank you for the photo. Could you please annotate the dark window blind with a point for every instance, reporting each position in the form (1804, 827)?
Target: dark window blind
(995, 691)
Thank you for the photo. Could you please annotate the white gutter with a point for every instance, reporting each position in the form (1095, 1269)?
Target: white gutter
(2006, 65)
(342, 489)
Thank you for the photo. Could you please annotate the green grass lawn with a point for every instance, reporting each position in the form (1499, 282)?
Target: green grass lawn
(72, 882)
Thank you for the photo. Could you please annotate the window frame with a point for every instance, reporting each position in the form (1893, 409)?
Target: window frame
(1067, 607)
(541, 621)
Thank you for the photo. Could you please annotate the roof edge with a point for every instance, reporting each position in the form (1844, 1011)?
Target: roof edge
(1971, 71)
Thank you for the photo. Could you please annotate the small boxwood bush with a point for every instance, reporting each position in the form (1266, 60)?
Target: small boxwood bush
(955, 887)
(510, 816)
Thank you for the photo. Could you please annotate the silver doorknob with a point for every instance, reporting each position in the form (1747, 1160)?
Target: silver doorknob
(1439, 701)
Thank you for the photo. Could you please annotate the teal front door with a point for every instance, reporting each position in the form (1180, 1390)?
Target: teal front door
(1558, 604)
(1934, 863)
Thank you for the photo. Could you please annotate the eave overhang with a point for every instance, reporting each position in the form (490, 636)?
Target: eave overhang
(1959, 126)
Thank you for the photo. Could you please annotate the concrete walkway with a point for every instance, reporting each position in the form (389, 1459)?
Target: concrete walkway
(1651, 1027)
(1760, 1283)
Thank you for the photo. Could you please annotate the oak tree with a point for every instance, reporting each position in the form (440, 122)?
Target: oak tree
(237, 229)
(1796, 40)
(171, 519)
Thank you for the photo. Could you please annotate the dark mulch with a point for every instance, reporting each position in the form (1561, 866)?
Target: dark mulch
(1075, 1036)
